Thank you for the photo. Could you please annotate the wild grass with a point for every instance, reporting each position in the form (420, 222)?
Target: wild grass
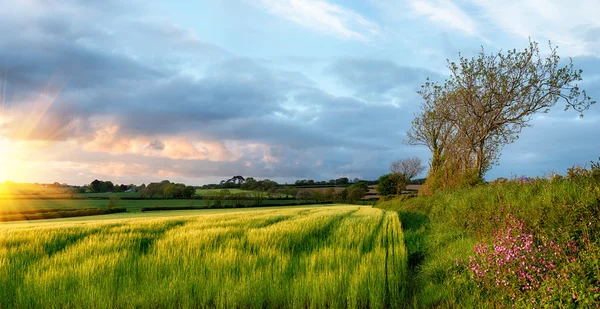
(445, 231)
(334, 257)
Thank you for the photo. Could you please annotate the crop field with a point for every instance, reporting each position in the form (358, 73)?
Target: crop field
(342, 256)
(203, 192)
(131, 205)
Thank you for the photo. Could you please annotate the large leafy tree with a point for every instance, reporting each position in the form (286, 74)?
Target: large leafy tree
(487, 101)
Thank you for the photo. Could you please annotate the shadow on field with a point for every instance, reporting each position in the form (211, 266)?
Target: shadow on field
(413, 225)
(414, 228)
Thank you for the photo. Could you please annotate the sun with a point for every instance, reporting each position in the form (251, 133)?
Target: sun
(23, 154)
(5, 159)
(11, 160)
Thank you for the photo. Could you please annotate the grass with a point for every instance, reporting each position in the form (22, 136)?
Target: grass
(309, 257)
(441, 232)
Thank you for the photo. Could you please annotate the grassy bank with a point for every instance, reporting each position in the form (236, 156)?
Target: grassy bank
(532, 243)
(333, 257)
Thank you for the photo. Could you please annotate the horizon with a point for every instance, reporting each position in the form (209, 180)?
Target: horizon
(283, 90)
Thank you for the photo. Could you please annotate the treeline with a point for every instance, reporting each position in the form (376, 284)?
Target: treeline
(350, 194)
(239, 182)
(167, 189)
(99, 186)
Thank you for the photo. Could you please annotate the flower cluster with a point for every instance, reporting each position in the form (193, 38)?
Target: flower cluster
(516, 262)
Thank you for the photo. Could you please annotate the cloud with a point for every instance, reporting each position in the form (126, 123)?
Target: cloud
(323, 17)
(445, 12)
(145, 98)
(135, 113)
(569, 26)
(371, 76)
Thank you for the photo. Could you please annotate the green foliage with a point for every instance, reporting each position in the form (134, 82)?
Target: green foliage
(113, 202)
(356, 192)
(484, 105)
(327, 257)
(387, 185)
(442, 231)
(304, 195)
(98, 186)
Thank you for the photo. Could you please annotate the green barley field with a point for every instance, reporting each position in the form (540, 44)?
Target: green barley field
(304, 257)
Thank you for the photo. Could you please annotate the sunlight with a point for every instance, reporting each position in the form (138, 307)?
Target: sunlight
(7, 160)
(20, 139)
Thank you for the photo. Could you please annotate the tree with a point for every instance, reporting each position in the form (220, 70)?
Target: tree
(171, 191)
(386, 185)
(250, 184)
(189, 192)
(404, 170)
(113, 201)
(329, 194)
(342, 181)
(304, 195)
(237, 179)
(96, 186)
(356, 192)
(485, 104)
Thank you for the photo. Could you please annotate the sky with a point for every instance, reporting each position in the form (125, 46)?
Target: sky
(200, 91)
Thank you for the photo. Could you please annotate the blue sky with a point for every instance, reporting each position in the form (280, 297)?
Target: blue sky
(199, 91)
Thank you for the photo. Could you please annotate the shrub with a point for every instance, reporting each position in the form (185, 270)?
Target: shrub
(113, 202)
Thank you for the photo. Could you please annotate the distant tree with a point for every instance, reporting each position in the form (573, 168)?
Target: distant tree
(189, 191)
(113, 202)
(342, 181)
(108, 186)
(404, 170)
(239, 180)
(387, 185)
(96, 186)
(362, 184)
(170, 191)
(355, 192)
(317, 195)
(329, 194)
(304, 195)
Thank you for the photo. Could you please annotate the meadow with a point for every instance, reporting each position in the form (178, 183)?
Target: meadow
(525, 243)
(301, 257)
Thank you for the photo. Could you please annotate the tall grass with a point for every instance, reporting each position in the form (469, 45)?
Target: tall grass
(444, 231)
(295, 258)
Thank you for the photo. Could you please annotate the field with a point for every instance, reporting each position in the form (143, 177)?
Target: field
(204, 192)
(301, 257)
(131, 205)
